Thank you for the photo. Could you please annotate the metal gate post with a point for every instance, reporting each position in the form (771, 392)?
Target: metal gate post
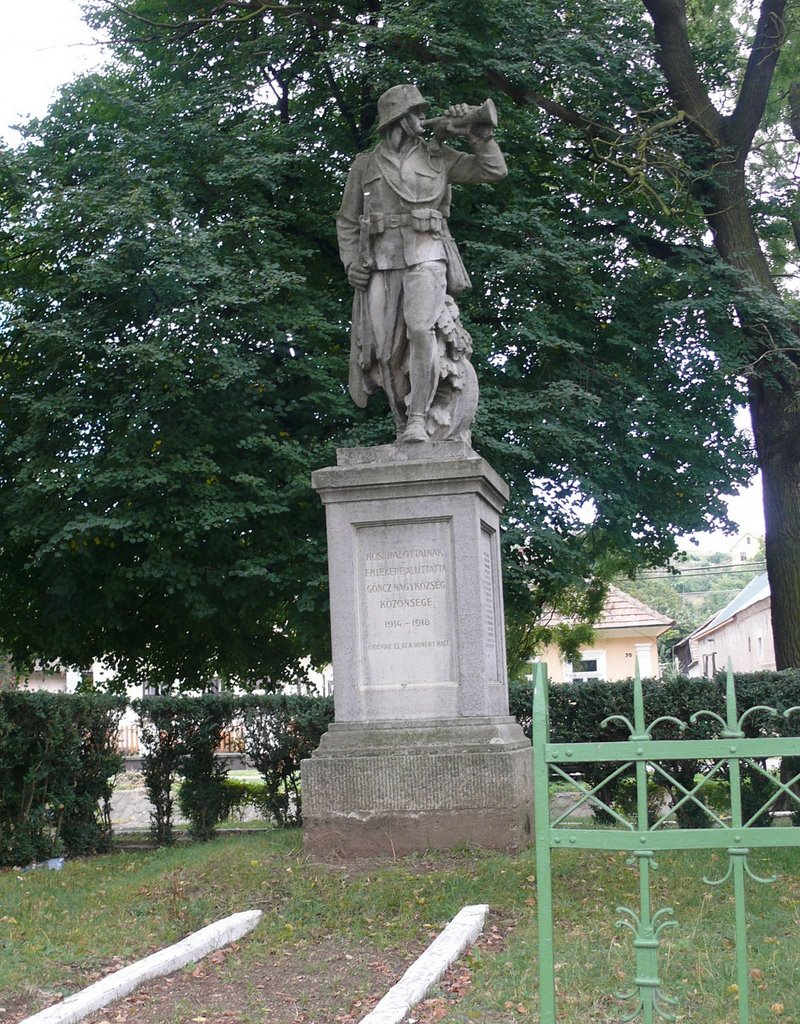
(540, 735)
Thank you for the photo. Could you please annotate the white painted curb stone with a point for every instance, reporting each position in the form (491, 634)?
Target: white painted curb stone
(423, 974)
(165, 961)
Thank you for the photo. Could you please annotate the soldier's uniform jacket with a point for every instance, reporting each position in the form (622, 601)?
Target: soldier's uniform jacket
(403, 220)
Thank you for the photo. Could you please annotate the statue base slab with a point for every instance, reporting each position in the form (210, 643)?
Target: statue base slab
(398, 787)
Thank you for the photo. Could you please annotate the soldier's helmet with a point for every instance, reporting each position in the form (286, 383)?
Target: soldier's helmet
(397, 101)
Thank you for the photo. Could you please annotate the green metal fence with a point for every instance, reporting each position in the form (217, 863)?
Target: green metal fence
(645, 835)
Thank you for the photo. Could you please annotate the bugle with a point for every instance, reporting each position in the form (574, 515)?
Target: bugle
(486, 113)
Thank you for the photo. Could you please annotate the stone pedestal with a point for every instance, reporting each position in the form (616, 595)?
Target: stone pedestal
(423, 752)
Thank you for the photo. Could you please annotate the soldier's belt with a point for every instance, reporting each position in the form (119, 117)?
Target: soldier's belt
(420, 220)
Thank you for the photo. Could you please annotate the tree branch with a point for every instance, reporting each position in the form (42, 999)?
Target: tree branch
(520, 95)
(752, 100)
(674, 57)
(657, 248)
(252, 9)
(523, 96)
(794, 109)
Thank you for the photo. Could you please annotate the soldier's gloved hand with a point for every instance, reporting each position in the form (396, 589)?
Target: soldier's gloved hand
(457, 110)
(446, 129)
(358, 276)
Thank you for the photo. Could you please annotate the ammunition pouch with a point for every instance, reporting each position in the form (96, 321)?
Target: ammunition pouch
(425, 221)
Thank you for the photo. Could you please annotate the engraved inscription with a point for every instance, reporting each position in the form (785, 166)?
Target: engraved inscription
(405, 577)
(489, 602)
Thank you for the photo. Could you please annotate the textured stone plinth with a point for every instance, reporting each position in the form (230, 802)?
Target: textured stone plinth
(422, 752)
(393, 788)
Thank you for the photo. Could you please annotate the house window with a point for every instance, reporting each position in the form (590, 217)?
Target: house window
(743, 556)
(591, 666)
(760, 647)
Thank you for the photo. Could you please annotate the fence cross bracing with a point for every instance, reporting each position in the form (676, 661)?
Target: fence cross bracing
(642, 834)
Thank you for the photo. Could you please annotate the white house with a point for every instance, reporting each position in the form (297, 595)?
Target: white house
(745, 547)
(53, 678)
(741, 632)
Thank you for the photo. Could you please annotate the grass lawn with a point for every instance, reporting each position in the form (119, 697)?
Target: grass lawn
(334, 939)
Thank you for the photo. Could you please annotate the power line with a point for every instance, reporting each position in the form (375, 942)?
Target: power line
(733, 568)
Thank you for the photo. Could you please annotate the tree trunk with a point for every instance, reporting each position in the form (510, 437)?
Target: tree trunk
(776, 424)
(774, 394)
(774, 409)
(772, 333)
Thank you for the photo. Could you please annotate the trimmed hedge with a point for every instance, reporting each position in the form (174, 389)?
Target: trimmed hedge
(280, 732)
(57, 767)
(181, 734)
(161, 761)
(577, 710)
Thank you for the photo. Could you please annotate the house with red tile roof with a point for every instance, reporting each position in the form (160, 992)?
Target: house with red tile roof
(627, 629)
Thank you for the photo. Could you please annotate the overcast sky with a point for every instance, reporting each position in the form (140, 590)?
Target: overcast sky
(44, 43)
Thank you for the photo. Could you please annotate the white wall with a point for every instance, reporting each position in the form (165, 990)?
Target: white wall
(746, 640)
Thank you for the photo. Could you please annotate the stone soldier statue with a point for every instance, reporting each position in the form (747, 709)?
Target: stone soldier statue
(405, 267)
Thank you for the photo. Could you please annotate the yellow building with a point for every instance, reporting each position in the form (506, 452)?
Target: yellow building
(627, 630)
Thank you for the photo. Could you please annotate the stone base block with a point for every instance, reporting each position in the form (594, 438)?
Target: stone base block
(394, 788)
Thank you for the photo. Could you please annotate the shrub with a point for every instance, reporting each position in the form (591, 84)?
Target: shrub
(86, 824)
(57, 762)
(201, 722)
(240, 793)
(280, 732)
(161, 755)
(181, 735)
(578, 709)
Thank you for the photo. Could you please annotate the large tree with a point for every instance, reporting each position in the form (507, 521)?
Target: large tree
(768, 316)
(726, 133)
(174, 342)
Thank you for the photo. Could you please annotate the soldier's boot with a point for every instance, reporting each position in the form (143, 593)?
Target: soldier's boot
(415, 429)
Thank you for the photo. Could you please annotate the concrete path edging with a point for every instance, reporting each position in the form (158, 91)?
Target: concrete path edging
(165, 961)
(423, 974)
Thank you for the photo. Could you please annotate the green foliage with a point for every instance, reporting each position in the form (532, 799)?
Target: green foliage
(279, 733)
(578, 709)
(201, 722)
(181, 736)
(86, 824)
(161, 755)
(57, 765)
(173, 346)
(237, 794)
